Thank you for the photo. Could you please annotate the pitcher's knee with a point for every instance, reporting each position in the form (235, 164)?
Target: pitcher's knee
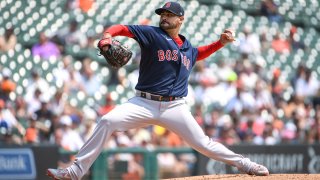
(110, 121)
(105, 120)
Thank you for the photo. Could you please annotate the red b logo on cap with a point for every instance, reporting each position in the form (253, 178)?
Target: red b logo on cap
(168, 4)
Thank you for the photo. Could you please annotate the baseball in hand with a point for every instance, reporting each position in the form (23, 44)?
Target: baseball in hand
(231, 34)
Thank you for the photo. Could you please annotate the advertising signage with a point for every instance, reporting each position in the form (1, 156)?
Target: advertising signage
(17, 164)
(278, 159)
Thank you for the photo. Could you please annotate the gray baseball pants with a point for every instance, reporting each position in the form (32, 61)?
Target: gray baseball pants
(141, 112)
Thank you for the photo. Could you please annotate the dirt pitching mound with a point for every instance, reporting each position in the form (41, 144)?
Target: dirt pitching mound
(248, 177)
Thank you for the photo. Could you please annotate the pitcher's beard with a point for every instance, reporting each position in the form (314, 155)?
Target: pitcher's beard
(167, 26)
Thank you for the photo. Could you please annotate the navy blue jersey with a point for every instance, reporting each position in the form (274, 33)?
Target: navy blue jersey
(164, 67)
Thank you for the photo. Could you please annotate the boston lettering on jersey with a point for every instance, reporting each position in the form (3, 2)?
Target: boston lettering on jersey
(164, 67)
(173, 55)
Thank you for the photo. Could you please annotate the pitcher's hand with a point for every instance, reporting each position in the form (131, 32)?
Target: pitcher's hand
(227, 36)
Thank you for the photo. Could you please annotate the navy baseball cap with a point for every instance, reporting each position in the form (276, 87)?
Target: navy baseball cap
(172, 7)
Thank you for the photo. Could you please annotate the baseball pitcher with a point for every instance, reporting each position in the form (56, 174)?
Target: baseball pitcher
(167, 58)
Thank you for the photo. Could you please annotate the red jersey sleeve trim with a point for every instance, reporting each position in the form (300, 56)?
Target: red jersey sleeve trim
(206, 51)
(119, 30)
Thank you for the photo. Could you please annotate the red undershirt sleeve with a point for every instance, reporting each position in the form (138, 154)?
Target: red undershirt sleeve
(206, 51)
(119, 30)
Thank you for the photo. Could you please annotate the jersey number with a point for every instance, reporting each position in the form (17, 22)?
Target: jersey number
(168, 55)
